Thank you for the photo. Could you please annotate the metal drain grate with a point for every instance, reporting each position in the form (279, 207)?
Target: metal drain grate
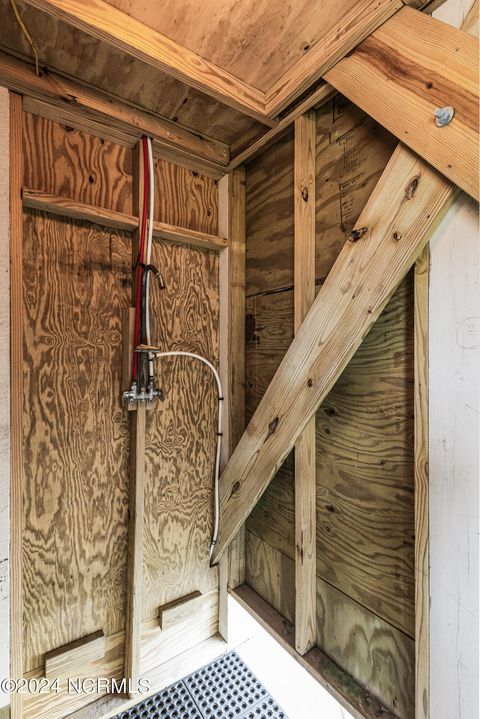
(224, 689)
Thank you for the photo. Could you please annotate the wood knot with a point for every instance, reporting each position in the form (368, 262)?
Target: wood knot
(272, 426)
(305, 194)
(357, 234)
(397, 236)
(412, 187)
(310, 382)
(235, 488)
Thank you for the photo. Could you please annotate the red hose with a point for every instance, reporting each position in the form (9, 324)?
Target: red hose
(141, 250)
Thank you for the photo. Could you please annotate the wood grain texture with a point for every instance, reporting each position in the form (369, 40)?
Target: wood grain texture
(272, 575)
(365, 456)
(365, 491)
(64, 207)
(138, 40)
(17, 478)
(421, 64)
(254, 40)
(422, 559)
(179, 610)
(185, 198)
(67, 52)
(63, 98)
(189, 237)
(181, 431)
(359, 20)
(63, 661)
(375, 654)
(269, 207)
(232, 356)
(350, 695)
(76, 282)
(75, 165)
(405, 206)
(304, 295)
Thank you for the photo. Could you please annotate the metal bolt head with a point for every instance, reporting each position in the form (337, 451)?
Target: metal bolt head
(443, 115)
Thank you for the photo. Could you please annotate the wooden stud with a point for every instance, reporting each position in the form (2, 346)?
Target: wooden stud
(63, 662)
(408, 201)
(411, 66)
(16, 364)
(136, 520)
(358, 22)
(189, 237)
(232, 354)
(107, 23)
(422, 564)
(52, 96)
(305, 485)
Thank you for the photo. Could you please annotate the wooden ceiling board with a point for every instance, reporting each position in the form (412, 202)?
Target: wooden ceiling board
(74, 53)
(255, 40)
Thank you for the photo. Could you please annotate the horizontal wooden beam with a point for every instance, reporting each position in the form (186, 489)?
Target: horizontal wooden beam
(352, 696)
(65, 207)
(180, 609)
(162, 230)
(403, 72)
(111, 117)
(107, 23)
(391, 232)
(361, 19)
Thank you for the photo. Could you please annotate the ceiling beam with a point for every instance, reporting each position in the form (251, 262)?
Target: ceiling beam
(111, 117)
(358, 22)
(409, 67)
(391, 232)
(116, 28)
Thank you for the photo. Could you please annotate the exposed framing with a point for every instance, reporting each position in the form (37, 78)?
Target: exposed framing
(305, 448)
(16, 417)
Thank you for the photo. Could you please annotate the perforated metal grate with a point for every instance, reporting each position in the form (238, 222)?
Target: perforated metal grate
(224, 689)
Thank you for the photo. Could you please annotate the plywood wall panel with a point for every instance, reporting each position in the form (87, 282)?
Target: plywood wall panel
(76, 285)
(269, 213)
(74, 164)
(181, 431)
(271, 574)
(185, 198)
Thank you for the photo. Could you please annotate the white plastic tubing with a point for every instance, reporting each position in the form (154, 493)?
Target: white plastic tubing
(184, 354)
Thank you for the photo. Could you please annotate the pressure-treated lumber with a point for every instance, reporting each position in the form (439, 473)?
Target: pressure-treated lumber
(304, 289)
(122, 31)
(180, 609)
(361, 19)
(422, 564)
(108, 116)
(389, 235)
(357, 700)
(406, 69)
(232, 355)
(66, 207)
(63, 206)
(64, 661)
(16, 364)
(190, 237)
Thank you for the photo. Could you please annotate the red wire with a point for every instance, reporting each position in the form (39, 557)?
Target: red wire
(141, 250)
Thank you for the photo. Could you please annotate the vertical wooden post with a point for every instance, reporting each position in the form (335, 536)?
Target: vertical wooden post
(305, 486)
(422, 571)
(231, 223)
(137, 485)
(16, 416)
